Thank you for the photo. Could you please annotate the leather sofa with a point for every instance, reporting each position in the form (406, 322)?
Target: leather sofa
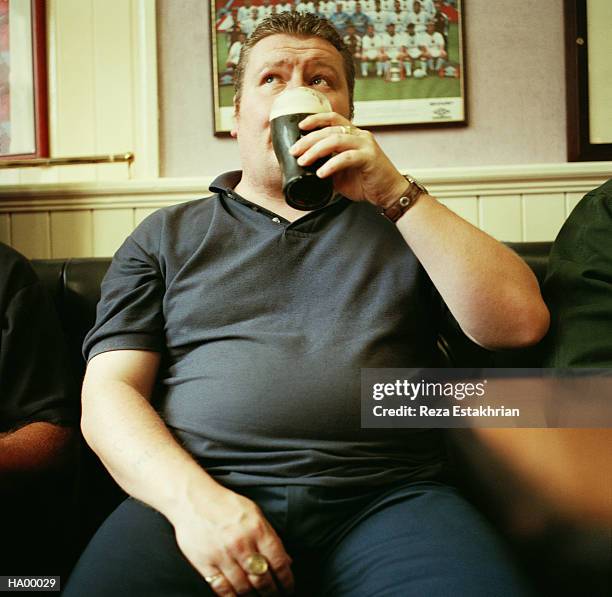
(548, 551)
(75, 287)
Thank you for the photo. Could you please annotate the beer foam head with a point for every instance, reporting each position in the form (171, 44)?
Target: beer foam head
(300, 100)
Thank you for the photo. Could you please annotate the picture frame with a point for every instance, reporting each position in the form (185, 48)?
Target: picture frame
(399, 86)
(23, 80)
(588, 94)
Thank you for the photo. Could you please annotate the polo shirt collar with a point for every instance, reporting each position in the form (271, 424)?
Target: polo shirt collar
(224, 185)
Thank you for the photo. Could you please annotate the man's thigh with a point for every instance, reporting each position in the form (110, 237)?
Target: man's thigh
(134, 553)
(422, 541)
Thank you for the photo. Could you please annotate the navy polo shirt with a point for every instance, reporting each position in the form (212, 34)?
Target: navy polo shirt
(263, 326)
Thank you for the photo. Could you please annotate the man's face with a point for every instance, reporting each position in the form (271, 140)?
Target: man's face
(276, 63)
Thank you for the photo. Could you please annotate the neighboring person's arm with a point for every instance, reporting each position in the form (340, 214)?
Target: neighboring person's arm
(492, 293)
(34, 448)
(38, 396)
(216, 528)
(568, 468)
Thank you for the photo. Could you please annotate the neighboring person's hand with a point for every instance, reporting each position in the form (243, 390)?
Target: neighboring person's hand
(218, 533)
(361, 170)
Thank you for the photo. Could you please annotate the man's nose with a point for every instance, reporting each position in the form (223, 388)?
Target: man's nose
(297, 80)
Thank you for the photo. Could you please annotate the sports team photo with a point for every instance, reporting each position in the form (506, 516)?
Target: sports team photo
(408, 55)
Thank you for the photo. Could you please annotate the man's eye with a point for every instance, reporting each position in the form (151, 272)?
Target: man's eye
(319, 81)
(269, 79)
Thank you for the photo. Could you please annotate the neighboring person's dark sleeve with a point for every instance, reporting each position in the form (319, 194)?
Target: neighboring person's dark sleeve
(578, 286)
(129, 315)
(35, 380)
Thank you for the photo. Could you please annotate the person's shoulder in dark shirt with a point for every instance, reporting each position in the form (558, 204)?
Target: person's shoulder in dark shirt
(578, 286)
(15, 274)
(35, 381)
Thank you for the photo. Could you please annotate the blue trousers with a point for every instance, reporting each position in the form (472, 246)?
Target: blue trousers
(419, 539)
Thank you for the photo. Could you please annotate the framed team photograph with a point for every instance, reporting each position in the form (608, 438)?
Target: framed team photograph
(408, 56)
(23, 80)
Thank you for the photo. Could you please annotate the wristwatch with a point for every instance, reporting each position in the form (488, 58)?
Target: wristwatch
(395, 211)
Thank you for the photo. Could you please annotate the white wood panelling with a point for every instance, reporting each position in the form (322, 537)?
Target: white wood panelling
(80, 173)
(102, 61)
(114, 171)
(39, 175)
(466, 207)
(5, 229)
(30, 234)
(571, 200)
(110, 228)
(144, 84)
(71, 233)
(112, 80)
(501, 216)
(141, 213)
(10, 176)
(87, 219)
(73, 93)
(543, 215)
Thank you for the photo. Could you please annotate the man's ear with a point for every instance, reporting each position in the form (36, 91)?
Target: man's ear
(234, 131)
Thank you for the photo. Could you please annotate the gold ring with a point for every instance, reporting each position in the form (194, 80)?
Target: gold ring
(211, 580)
(349, 129)
(256, 564)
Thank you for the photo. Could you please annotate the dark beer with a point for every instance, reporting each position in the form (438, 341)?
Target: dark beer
(302, 188)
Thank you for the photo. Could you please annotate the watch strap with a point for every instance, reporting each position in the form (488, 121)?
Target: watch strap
(397, 209)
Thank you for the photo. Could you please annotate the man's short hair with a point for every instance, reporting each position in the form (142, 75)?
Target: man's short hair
(299, 25)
